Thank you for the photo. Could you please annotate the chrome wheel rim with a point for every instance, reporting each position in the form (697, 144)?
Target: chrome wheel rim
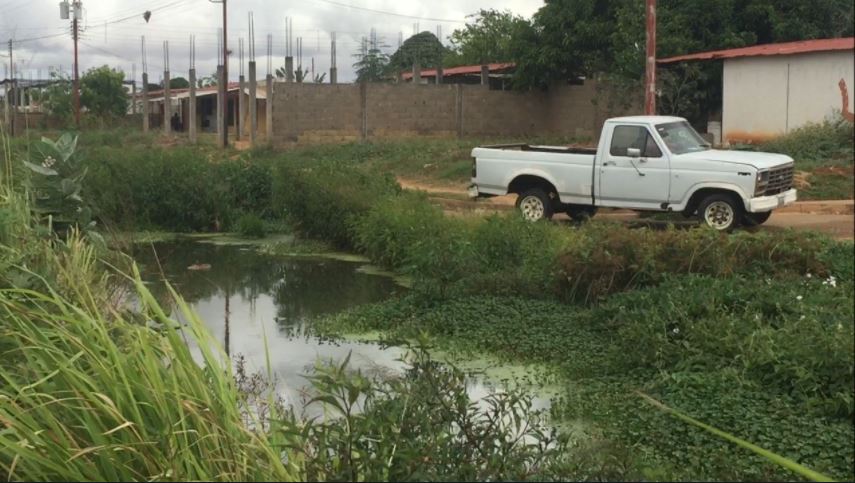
(532, 208)
(719, 215)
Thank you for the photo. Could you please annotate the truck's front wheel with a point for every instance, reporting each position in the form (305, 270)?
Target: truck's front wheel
(721, 212)
(535, 205)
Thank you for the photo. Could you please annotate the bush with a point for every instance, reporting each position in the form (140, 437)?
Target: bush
(816, 143)
(251, 226)
(324, 200)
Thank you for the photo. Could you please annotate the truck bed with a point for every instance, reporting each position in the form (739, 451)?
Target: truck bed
(543, 149)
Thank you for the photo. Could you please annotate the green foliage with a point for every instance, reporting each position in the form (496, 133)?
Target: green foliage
(606, 39)
(423, 47)
(56, 182)
(490, 38)
(424, 427)
(827, 143)
(177, 189)
(324, 199)
(251, 226)
(102, 92)
(371, 64)
(179, 83)
(57, 97)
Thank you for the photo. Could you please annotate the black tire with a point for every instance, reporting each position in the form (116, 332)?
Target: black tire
(721, 211)
(535, 204)
(581, 213)
(755, 219)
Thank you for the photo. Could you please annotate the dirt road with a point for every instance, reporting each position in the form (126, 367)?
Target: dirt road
(835, 218)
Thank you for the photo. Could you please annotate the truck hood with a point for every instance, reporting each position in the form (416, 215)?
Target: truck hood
(756, 159)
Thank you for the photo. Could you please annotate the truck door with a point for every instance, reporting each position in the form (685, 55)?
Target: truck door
(634, 171)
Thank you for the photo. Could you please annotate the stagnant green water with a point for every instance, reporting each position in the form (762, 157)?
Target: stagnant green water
(247, 298)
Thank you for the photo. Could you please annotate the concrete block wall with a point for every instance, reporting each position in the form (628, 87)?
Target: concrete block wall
(410, 109)
(348, 112)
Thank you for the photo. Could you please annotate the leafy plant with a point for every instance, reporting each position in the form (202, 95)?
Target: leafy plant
(251, 226)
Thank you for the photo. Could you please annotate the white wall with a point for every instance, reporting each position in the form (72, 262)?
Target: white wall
(767, 96)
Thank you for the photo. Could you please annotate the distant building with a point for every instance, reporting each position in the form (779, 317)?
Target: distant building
(499, 75)
(769, 90)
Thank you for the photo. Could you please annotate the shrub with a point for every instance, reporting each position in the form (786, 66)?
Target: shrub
(251, 226)
(324, 200)
(816, 143)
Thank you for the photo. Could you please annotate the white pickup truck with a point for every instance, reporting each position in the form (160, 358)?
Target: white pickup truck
(643, 163)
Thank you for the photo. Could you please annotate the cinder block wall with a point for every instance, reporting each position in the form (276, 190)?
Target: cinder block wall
(347, 112)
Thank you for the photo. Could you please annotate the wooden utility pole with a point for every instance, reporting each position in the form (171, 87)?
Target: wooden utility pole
(77, 8)
(225, 77)
(650, 56)
(14, 91)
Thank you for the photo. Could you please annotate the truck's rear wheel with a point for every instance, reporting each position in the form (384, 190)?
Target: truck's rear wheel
(721, 212)
(535, 204)
(581, 212)
(754, 219)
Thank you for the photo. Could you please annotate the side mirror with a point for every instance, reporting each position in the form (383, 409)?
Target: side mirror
(633, 152)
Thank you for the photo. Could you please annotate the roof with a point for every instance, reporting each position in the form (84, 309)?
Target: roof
(462, 70)
(647, 119)
(786, 48)
(200, 91)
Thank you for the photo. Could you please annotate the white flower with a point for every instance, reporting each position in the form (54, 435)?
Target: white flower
(809, 275)
(839, 326)
(48, 162)
(799, 297)
(676, 330)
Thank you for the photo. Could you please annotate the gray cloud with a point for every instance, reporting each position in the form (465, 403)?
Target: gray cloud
(113, 28)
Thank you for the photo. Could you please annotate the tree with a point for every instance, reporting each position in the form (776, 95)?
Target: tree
(424, 47)
(606, 38)
(209, 81)
(179, 83)
(57, 97)
(102, 92)
(489, 39)
(372, 63)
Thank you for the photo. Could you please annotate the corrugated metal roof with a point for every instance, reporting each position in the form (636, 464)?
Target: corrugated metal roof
(461, 70)
(786, 48)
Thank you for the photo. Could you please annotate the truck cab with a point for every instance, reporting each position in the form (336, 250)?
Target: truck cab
(644, 163)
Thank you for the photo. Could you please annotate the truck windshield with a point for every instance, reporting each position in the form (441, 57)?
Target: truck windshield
(681, 137)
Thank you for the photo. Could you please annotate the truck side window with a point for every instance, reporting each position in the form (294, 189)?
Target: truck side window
(625, 137)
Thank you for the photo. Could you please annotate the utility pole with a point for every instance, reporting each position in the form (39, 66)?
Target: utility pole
(78, 8)
(650, 56)
(225, 76)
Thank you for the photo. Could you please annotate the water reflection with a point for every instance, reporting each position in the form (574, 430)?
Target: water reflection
(260, 306)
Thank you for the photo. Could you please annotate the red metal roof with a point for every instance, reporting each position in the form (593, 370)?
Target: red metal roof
(461, 70)
(199, 90)
(786, 48)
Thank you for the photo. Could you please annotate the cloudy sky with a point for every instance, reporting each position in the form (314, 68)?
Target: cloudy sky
(112, 30)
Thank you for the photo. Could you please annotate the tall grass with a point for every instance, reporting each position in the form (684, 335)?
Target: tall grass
(90, 395)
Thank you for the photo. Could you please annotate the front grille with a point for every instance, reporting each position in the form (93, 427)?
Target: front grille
(780, 180)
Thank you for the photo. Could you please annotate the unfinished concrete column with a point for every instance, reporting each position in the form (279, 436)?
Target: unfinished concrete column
(221, 105)
(417, 73)
(439, 74)
(191, 109)
(253, 105)
(145, 107)
(134, 97)
(485, 75)
(333, 75)
(289, 69)
(268, 113)
(241, 106)
(6, 110)
(167, 104)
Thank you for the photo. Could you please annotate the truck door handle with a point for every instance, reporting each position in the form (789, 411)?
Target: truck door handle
(609, 163)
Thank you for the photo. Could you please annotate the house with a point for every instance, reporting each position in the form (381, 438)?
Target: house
(769, 90)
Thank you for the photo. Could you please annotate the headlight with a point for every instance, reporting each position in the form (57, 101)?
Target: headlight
(762, 176)
(762, 181)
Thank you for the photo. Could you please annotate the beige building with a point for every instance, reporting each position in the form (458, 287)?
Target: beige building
(769, 90)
